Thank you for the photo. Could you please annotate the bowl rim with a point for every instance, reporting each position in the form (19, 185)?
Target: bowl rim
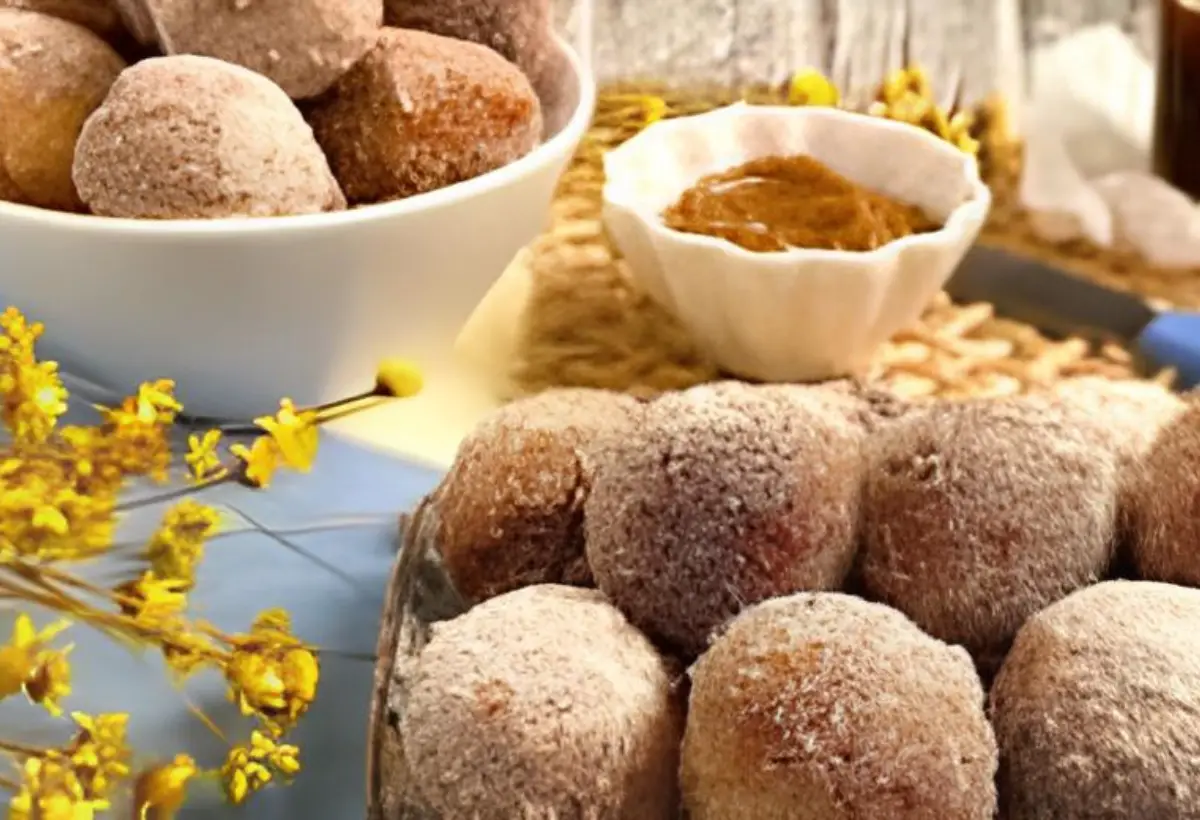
(965, 218)
(561, 143)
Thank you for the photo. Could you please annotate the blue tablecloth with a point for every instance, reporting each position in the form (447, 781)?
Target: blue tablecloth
(343, 513)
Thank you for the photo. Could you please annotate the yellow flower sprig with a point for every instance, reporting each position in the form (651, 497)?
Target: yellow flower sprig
(59, 502)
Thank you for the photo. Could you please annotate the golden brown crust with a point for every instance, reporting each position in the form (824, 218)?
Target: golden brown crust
(421, 112)
(976, 515)
(53, 75)
(821, 705)
(1097, 708)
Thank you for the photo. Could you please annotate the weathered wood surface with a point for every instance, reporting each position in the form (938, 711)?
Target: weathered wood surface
(973, 47)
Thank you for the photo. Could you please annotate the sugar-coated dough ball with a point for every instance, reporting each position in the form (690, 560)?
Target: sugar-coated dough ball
(542, 703)
(303, 45)
(421, 112)
(1097, 707)
(197, 138)
(1131, 412)
(53, 75)
(1163, 496)
(510, 509)
(723, 496)
(518, 30)
(978, 514)
(823, 706)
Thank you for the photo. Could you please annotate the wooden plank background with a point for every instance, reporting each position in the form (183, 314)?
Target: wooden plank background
(971, 47)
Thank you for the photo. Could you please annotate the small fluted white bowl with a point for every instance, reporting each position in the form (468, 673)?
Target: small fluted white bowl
(798, 314)
(241, 312)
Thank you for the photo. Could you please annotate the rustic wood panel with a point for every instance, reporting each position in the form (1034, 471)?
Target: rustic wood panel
(972, 47)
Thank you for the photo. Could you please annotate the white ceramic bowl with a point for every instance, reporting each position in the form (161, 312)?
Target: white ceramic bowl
(800, 314)
(243, 312)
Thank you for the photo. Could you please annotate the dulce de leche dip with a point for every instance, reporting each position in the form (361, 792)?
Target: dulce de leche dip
(781, 202)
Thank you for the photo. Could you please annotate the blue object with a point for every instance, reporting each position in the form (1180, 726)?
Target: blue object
(342, 515)
(1172, 339)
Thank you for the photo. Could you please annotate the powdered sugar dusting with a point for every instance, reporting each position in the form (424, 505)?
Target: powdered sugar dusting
(1098, 706)
(511, 506)
(1131, 413)
(979, 514)
(725, 495)
(841, 706)
(539, 703)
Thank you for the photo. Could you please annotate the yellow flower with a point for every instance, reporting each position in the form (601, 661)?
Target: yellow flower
(33, 394)
(159, 793)
(51, 506)
(176, 547)
(50, 681)
(295, 434)
(811, 87)
(202, 457)
(156, 402)
(250, 767)
(270, 673)
(50, 790)
(399, 379)
(152, 601)
(27, 665)
(99, 752)
(259, 461)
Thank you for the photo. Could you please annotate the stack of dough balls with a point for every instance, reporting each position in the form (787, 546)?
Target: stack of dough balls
(819, 602)
(213, 109)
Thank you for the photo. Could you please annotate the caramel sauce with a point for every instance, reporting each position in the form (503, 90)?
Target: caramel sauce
(777, 203)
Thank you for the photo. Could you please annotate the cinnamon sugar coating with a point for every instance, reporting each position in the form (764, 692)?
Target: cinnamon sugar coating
(1163, 498)
(1097, 708)
(544, 702)
(195, 138)
(518, 30)
(822, 706)
(723, 496)
(510, 510)
(53, 75)
(302, 45)
(978, 514)
(421, 112)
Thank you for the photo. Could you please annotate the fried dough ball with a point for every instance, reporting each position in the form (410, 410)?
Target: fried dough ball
(1097, 707)
(197, 138)
(823, 706)
(1163, 497)
(421, 112)
(978, 514)
(518, 30)
(723, 496)
(510, 510)
(1131, 412)
(544, 702)
(53, 75)
(304, 46)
